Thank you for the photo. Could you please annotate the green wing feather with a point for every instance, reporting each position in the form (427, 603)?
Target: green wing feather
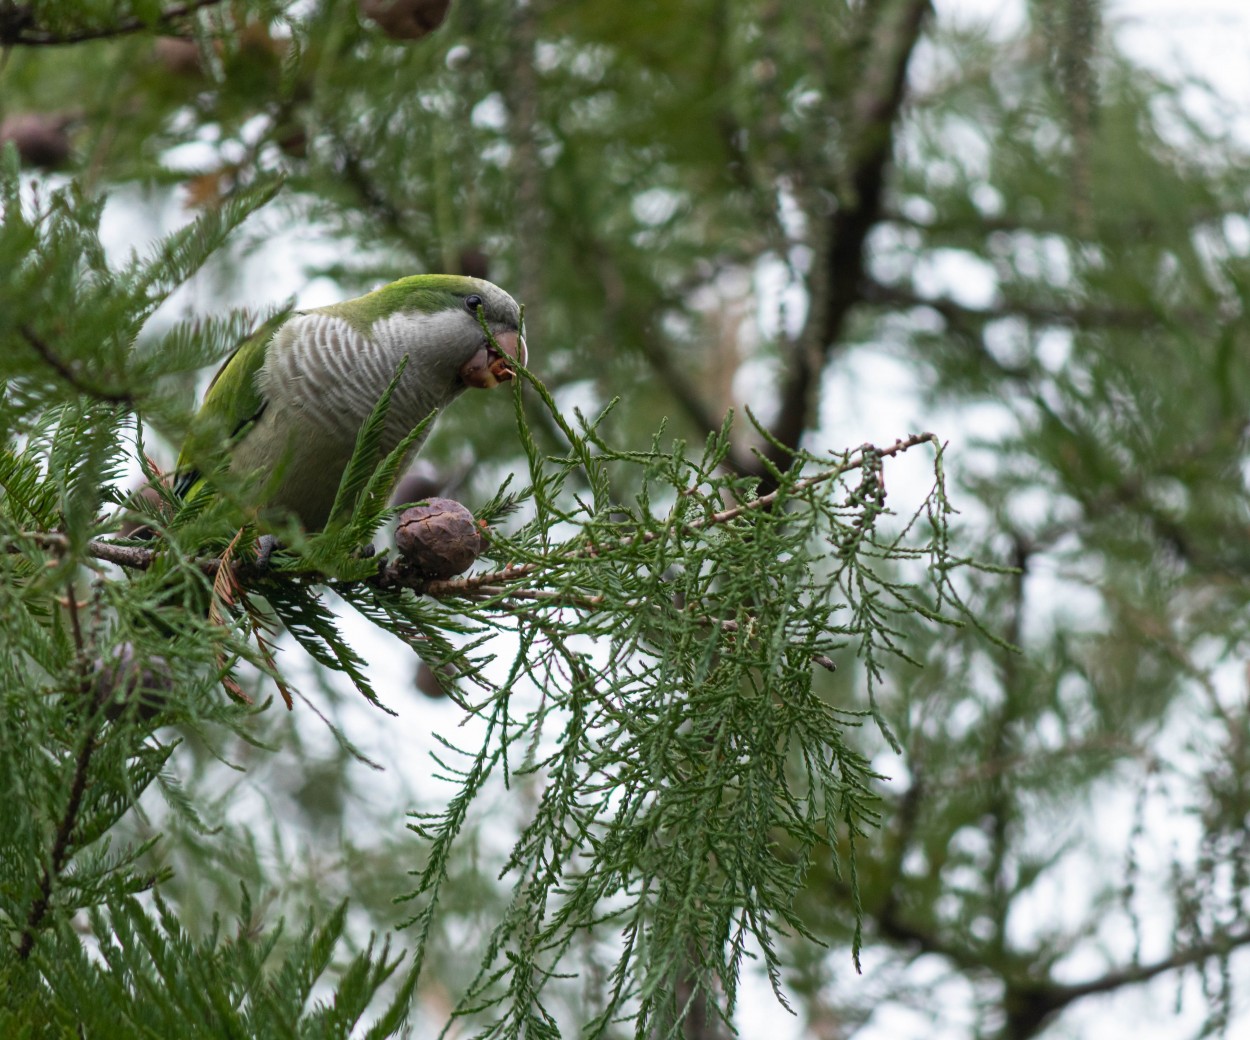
(232, 404)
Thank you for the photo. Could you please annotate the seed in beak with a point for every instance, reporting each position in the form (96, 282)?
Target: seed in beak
(488, 367)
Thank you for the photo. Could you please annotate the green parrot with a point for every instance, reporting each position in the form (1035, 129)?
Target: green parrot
(290, 401)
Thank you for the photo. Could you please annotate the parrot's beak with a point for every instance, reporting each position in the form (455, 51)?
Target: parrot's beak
(488, 368)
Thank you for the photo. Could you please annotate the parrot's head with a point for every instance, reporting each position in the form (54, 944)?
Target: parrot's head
(444, 320)
(490, 363)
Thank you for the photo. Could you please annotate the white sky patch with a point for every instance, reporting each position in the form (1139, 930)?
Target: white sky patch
(988, 199)
(655, 206)
(869, 398)
(790, 213)
(490, 113)
(959, 275)
(1009, 341)
(781, 303)
(917, 208)
(498, 153)
(582, 395)
(892, 250)
(1053, 348)
(1237, 234)
(905, 1019)
(1207, 39)
(754, 387)
(194, 156)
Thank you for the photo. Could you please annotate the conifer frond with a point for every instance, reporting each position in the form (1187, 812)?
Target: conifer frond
(152, 978)
(27, 497)
(179, 255)
(314, 627)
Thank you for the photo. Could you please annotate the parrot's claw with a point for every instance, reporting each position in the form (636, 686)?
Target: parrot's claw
(265, 545)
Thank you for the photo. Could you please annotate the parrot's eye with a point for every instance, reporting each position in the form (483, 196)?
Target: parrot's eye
(472, 303)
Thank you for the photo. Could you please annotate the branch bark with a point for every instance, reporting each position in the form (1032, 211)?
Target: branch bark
(66, 372)
(17, 28)
(492, 583)
(875, 111)
(1031, 1003)
(1071, 316)
(62, 842)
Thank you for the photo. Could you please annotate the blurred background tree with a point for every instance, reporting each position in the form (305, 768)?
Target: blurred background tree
(852, 219)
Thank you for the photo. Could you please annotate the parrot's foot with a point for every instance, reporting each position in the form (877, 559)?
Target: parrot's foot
(265, 545)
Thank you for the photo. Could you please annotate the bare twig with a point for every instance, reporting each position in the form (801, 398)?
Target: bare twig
(500, 584)
(461, 586)
(874, 112)
(132, 557)
(17, 28)
(60, 853)
(1075, 316)
(51, 359)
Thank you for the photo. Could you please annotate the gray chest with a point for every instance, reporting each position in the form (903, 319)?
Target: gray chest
(321, 381)
(325, 378)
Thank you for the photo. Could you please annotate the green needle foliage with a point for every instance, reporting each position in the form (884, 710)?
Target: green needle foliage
(153, 979)
(640, 661)
(1016, 226)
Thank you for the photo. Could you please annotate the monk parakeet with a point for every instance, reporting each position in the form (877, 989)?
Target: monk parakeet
(291, 401)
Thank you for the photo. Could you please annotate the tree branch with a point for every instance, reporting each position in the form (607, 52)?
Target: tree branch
(875, 111)
(462, 586)
(60, 853)
(354, 174)
(872, 291)
(685, 391)
(17, 25)
(1030, 1003)
(50, 358)
(491, 584)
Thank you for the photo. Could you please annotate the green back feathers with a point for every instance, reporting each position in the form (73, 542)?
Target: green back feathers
(231, 404)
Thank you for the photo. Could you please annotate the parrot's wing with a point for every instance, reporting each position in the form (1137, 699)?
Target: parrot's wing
(232, 404)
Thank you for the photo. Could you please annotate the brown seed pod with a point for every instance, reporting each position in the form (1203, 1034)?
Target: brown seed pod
(474, 262)
(134, 523)
(439, 539)
(179, 57)
(405, 19)
(125, 679)
(433, 682)
(293, 140)
(40, 137)
(419, 484)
